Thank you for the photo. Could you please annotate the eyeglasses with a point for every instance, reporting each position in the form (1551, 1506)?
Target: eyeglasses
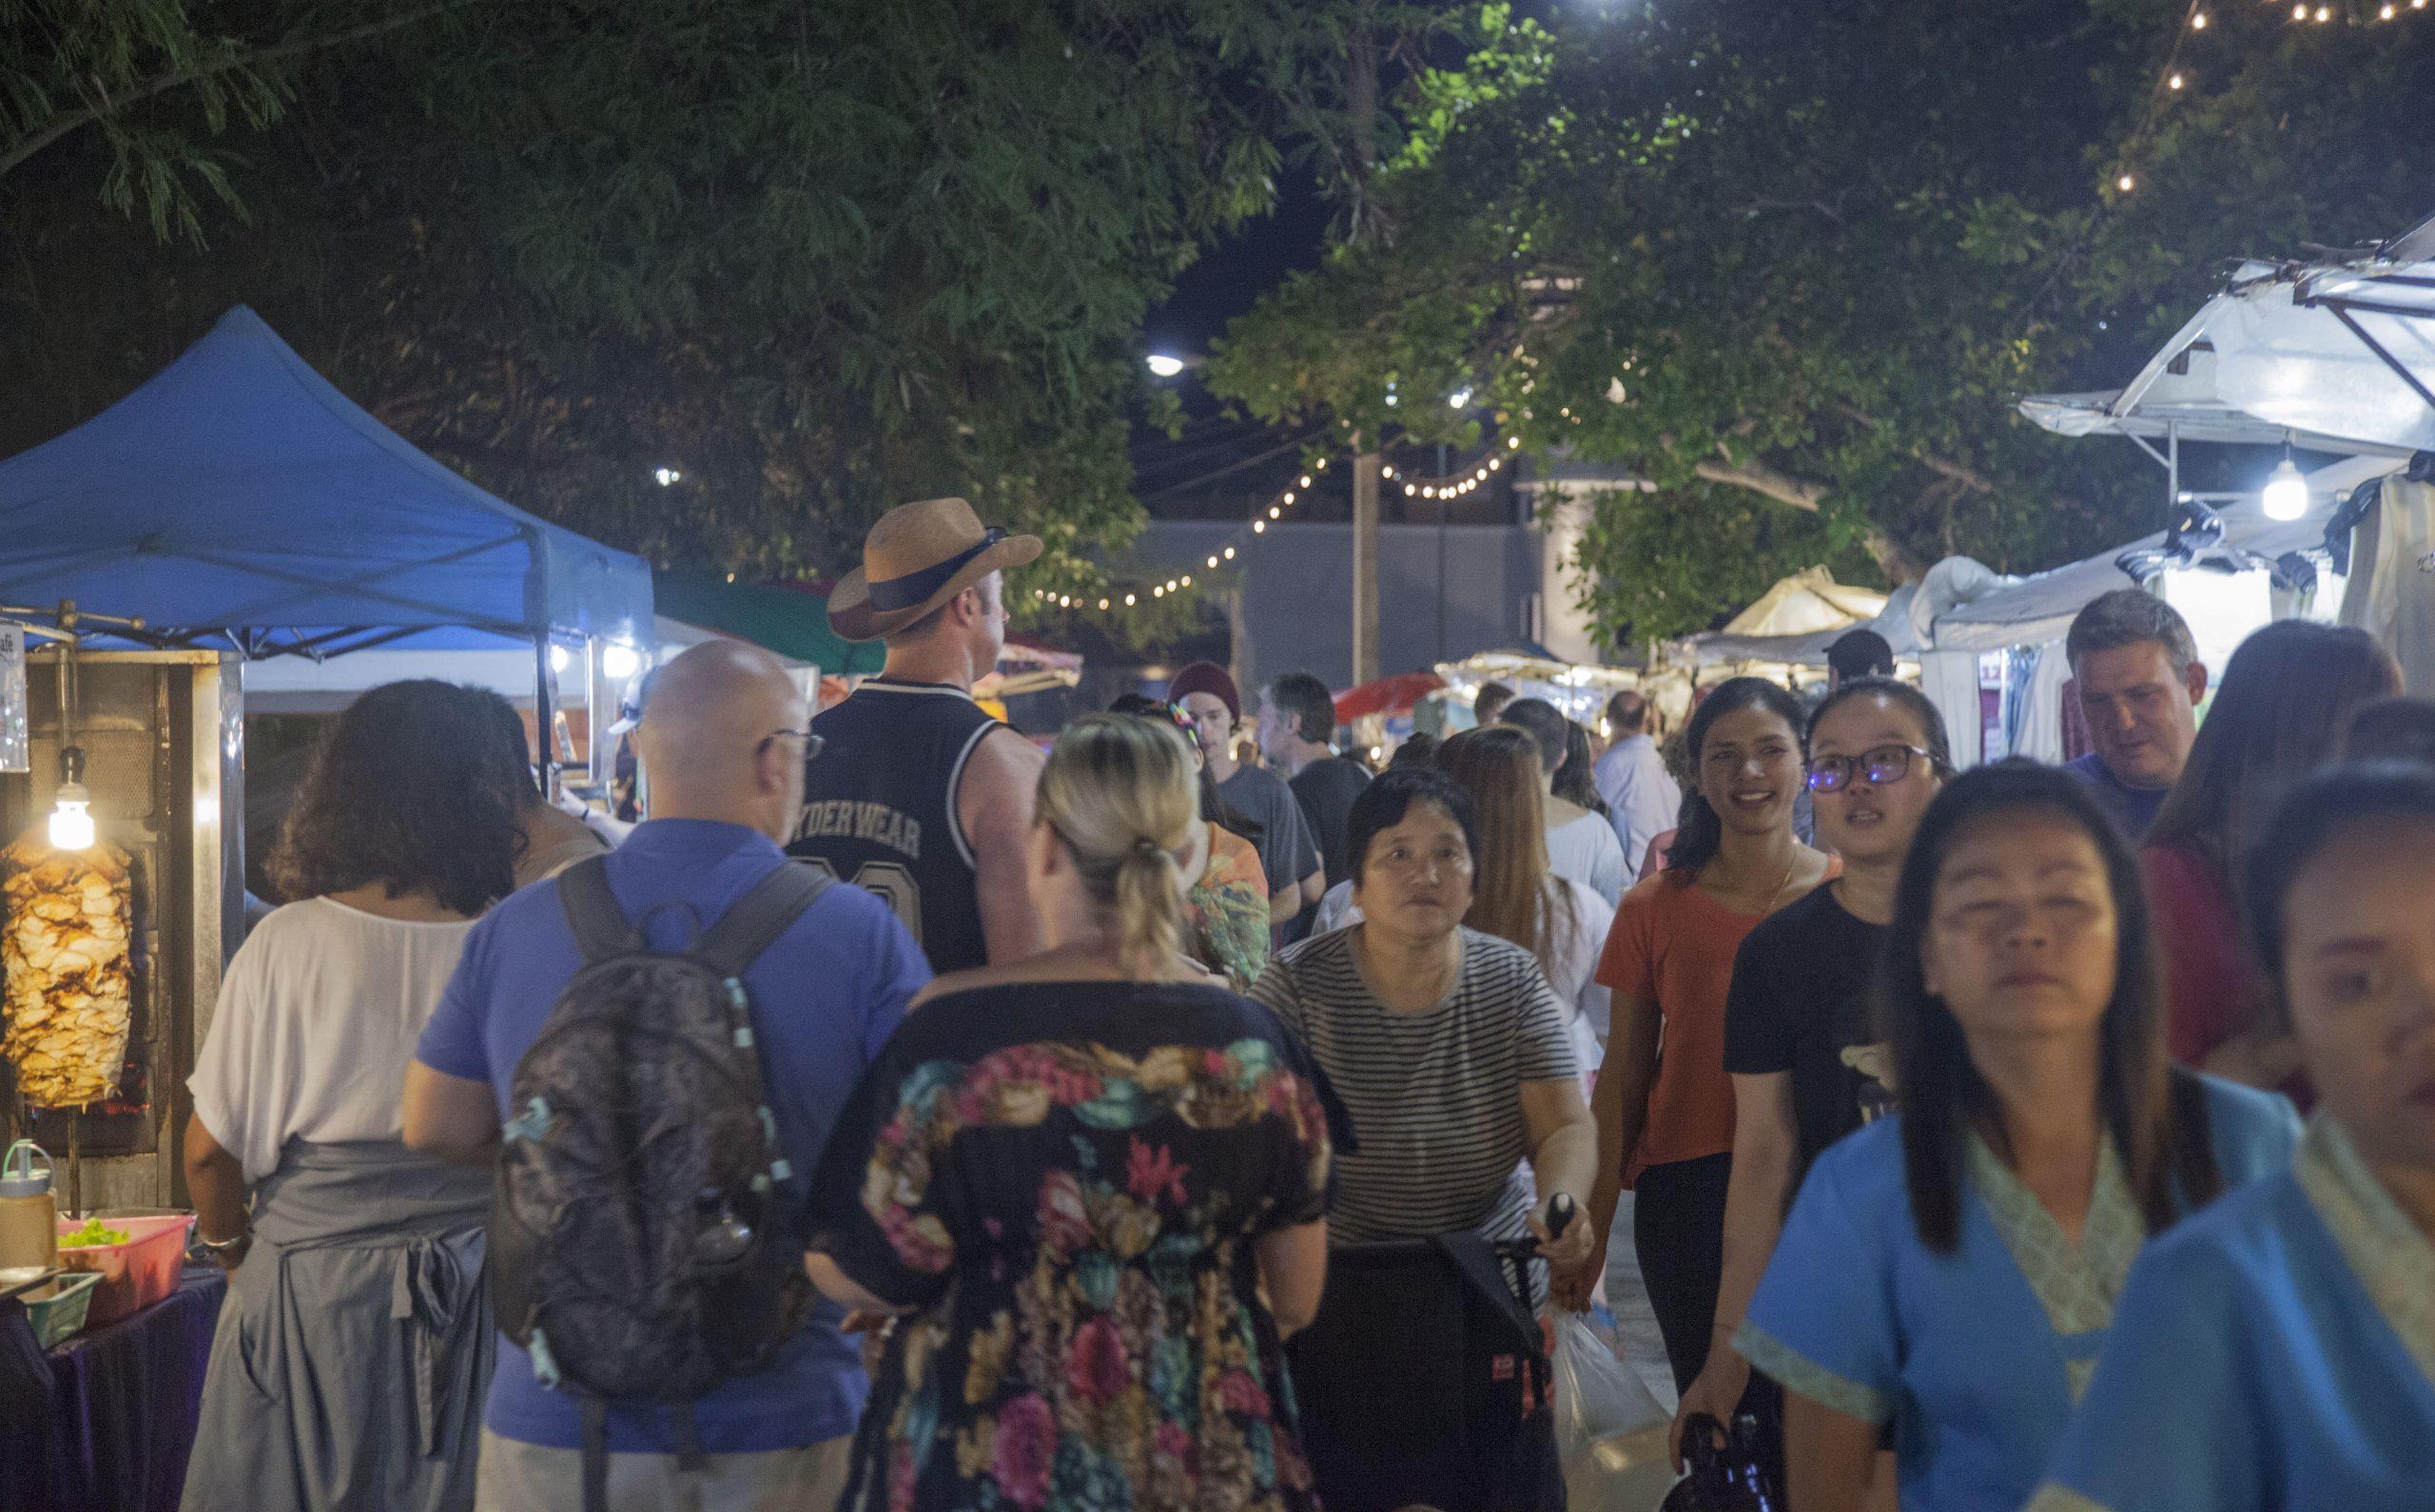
(1882, 765)
(811, 742)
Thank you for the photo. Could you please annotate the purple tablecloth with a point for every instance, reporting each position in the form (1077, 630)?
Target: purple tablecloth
(105, 1422)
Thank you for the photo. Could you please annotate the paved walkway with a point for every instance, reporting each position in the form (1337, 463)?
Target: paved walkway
(1635, 1323)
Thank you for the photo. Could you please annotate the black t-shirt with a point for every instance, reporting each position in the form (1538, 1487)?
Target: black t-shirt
(1799, 1003)
(1326, 790)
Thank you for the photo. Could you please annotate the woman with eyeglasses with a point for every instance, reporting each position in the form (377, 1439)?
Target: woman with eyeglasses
(2278, 1350)
(1666, 1123)
(1951, 1268)
(1808, 1064)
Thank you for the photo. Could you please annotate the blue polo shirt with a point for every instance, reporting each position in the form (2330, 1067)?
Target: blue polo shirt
(825, 997)
(2132, 808)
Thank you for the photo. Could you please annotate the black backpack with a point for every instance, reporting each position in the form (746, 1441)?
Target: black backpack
(639, 1243)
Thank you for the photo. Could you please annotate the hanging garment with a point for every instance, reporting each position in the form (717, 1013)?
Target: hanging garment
(2391, 590)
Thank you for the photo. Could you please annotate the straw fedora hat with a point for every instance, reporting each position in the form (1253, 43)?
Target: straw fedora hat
(916, 558)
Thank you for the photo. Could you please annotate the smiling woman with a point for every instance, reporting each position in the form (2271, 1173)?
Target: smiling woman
(1665, 1125)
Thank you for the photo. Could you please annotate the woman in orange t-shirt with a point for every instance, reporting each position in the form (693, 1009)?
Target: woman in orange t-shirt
(1666, 1120)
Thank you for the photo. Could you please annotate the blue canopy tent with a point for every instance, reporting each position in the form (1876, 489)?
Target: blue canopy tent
(238, 499)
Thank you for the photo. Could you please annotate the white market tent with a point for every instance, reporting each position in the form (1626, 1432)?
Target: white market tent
(2333, 357)
(2336, 357)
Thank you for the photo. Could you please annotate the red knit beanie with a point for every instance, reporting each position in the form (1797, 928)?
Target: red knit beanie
(1207, 677)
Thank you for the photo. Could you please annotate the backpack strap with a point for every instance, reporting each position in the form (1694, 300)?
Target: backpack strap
(755, 920)
(600, 927)
(595, 1455)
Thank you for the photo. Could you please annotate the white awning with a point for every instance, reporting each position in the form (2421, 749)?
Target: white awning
(2339, 356)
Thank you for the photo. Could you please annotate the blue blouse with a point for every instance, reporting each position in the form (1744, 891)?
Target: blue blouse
(2277, 1352)
(1977, 1357)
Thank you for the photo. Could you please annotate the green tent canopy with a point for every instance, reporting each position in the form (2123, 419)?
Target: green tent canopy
(791, 622)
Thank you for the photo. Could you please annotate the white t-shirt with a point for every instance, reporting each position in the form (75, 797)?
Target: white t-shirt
(318, 1013)
(1573, 972)
(1585, 851)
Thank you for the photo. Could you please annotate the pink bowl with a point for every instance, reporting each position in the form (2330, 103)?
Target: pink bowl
(134, 1274)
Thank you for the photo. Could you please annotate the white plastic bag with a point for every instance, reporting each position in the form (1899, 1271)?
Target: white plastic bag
(1610, 1433)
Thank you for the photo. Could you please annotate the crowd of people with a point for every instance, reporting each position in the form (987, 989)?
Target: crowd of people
(1952, 1119)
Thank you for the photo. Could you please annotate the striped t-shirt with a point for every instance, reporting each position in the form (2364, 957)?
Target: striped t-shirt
(1434, 1097)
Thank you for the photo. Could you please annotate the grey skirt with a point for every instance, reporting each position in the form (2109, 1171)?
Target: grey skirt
(355, 1349)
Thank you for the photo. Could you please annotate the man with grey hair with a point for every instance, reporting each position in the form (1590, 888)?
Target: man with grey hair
(2139, 683)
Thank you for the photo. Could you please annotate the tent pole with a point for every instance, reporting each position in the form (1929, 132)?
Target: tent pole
(545, 709)
(2173, 467)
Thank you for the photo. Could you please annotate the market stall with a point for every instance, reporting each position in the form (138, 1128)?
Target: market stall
(1579, 689)
(238, 514)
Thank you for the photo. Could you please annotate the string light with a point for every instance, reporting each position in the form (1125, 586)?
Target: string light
(1230, 554)
(2175, 80)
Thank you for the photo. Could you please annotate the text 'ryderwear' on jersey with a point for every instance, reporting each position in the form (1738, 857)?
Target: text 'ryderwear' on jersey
(879, 808)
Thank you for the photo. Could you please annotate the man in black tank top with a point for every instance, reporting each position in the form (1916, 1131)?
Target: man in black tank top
(919, 796)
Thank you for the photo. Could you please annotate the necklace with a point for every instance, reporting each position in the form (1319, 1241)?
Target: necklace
(1777, 896)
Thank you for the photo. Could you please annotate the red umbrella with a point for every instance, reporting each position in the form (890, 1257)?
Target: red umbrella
(1387, 695)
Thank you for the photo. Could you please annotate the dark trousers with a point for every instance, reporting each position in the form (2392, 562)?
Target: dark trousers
(1678, 1232)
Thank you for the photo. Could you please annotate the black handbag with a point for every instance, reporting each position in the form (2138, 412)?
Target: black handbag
(1731, 1475)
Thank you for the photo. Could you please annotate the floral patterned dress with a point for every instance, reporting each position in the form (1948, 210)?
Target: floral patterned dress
(1066, 1180)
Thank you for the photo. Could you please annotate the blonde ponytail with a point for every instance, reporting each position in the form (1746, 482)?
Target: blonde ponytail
(1120, 792)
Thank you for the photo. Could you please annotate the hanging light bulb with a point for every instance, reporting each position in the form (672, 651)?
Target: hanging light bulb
(71, 816)
(1129, 601)
(620, 660)
(2126, 184)
(1213, 561)
(1186, 580)
(1230, 554)
(2299, 12)
(1274, 512)
(1259, 526)
(1306, 480)
(2286, 489)
(2198, 22)
(2176, 81)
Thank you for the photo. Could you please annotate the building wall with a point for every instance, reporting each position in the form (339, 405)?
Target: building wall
(1297, 586)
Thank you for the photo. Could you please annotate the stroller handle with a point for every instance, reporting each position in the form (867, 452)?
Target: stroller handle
(1561, 1213)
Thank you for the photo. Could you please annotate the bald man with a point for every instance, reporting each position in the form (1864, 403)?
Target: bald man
(1643, 799)
(723, 741)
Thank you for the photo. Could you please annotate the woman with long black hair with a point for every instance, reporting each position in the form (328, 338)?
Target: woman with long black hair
(1952, 1267)
(1666, 1122)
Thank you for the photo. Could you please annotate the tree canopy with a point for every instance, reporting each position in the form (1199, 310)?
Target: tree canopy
(810, 260)
(1791, 266)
